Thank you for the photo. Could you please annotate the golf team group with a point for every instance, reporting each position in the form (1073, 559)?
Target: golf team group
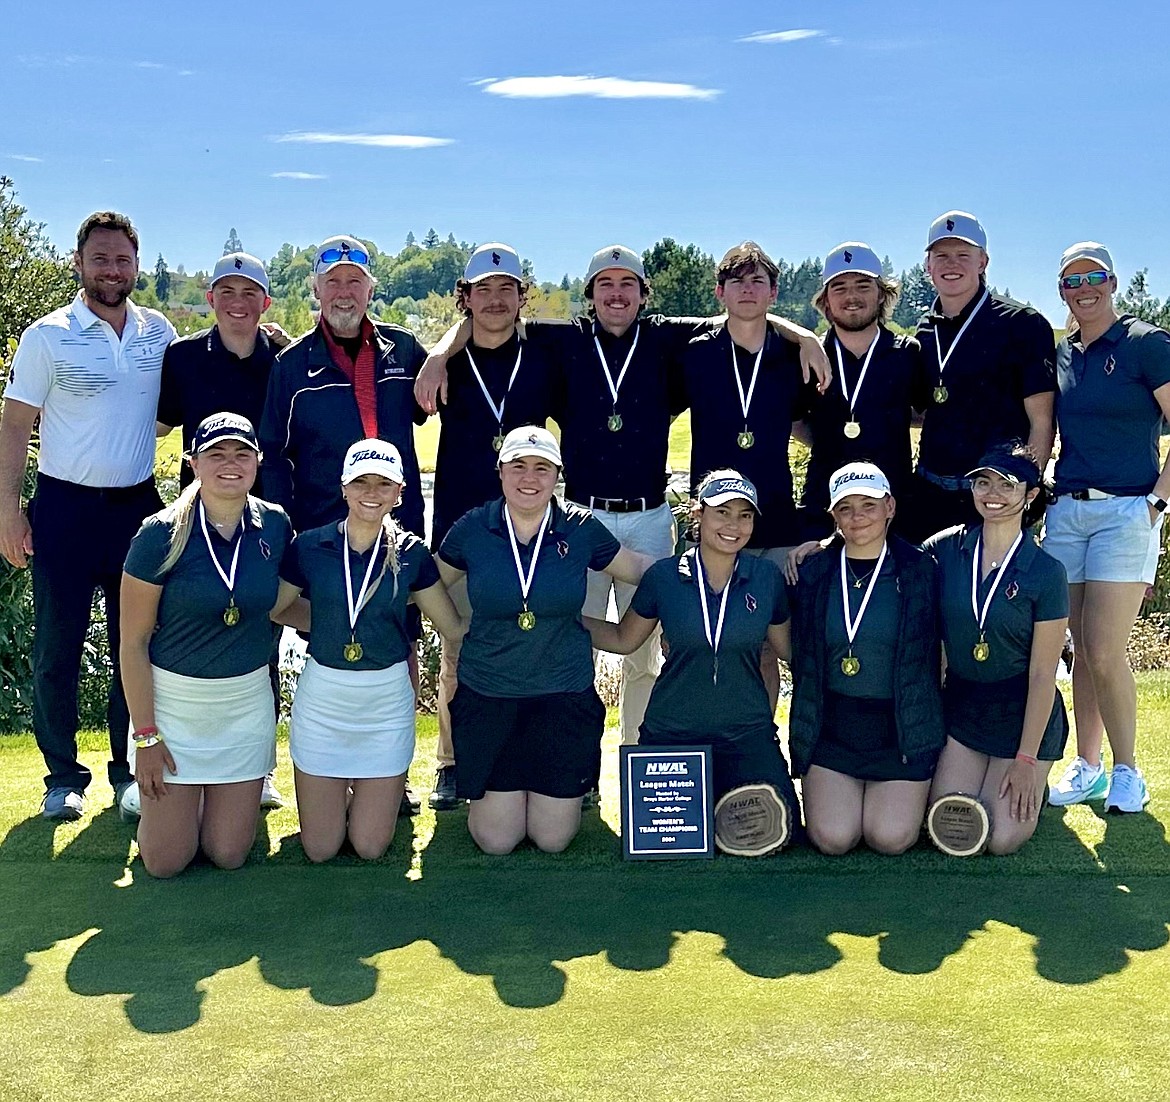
(920, 611)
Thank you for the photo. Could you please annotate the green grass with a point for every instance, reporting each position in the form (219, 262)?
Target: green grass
(443, 974)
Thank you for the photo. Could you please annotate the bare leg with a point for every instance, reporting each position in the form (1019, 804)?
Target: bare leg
(373, 814)
(833, 806)
(168, 835)
(1107, 618)
(1008, 834)
(552, 823)
(322, 803)
(893, 814)
(230, 813)
(1086, 715)
(498, 821)
(770, 669)
(960, 769)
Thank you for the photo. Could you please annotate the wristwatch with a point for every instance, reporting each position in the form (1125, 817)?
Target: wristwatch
(1159, 503)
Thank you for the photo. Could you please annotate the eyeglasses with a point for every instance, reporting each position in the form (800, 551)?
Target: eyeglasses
(1092, 279)
(352, 255)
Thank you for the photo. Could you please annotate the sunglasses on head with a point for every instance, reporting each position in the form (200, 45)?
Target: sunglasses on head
(1092, 279)
(353, 255)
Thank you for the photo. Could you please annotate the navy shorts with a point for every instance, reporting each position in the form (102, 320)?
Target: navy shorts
(550, 744)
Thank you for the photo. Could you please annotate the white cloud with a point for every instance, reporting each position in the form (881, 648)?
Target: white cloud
(772, 37)
(382, 141)
(27, 157)
(298, 176)
(599, 87)
(149, 65)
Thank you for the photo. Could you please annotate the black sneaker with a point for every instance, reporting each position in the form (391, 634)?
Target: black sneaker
(443, 797)
(591, 799)
(410, 803)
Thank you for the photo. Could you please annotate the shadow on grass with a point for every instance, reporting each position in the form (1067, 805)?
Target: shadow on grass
(322, 930)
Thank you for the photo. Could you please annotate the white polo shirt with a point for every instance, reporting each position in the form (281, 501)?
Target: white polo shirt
(97, 393)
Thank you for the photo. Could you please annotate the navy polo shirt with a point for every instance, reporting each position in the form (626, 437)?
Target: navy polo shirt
(1108, 416)
(1007, 354)
(200, 376)
(876, 643)
(684, 701)
(191, 638)
(315, 564)
(717, 420)
(630, 463)
(498, 658)
(1034, 589)
(465, 468)
(882, 410)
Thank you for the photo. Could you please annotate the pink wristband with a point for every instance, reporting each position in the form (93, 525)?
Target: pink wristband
(1021, 756)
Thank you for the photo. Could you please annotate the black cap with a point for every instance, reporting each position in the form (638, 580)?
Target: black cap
(1015, 468)
(224, 426)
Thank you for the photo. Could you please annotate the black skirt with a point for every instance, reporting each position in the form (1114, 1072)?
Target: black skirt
(988, 717)
(859, 737)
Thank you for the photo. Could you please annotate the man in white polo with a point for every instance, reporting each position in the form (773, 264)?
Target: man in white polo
(90, 371)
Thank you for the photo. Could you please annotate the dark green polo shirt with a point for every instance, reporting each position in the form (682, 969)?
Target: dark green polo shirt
(191, 638)
(315, 564)
(498, 658)
(685, 702)
(876, 642)
(1034, 589)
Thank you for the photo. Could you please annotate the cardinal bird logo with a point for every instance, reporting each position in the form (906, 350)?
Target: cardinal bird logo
(265, 550)
(617, 254)
(562, 548)
(239, 263)
(750, 602)
(950, 223)
(1012, 589)
(496, 259)
(1110, 364)
(848, 257)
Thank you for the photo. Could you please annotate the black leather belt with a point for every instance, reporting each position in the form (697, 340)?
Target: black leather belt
(624, 505)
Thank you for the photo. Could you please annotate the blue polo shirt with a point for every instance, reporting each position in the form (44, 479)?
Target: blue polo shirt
(1108, 417)
(1034, 589)
(315, 564)
(684, 701)
(882, 411)
(465, 467)
(191, 638)
(717, 420)
(630, 463)
(1006, 355)
(876, 642)
(498, 658)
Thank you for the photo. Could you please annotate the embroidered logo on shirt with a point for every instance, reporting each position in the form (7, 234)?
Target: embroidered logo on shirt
(750, 601)
(1110, 364)
(1012, 589)
(562, 548)
(265, 550)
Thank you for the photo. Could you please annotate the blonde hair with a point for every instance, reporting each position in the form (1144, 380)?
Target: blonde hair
(180, 515)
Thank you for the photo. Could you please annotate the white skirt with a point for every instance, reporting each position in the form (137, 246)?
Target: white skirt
(219, 730)
(352, 723)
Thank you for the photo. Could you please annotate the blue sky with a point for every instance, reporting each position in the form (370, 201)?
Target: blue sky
(797, 124)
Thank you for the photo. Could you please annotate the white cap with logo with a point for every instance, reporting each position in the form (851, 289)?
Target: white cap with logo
(240, 264)
(530, 440)
(492, 259)
(961, 226)
(372, 456)
(615, 256)
(850, 257)
(865, 479)
(1087, 250)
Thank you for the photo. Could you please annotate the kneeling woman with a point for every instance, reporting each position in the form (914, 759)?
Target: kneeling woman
(866, 719)
(200, 582)
(352, 732)
(717, 608)
(1004, 605)
(526, 721)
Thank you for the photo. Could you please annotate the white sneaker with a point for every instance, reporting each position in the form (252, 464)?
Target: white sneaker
(1127, 789)
(129, 802)
(270, 797)
(1081, 782)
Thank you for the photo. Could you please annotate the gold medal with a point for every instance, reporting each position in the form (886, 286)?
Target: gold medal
(850, 666)
(231, 615)
(526, 620)
(746, 439)
(941, 394)
(852, 430)
(615, 423)
(352, 651)
(497, 442)
(981, 651)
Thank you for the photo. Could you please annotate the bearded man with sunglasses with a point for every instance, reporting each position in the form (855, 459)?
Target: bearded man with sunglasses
(989, 376)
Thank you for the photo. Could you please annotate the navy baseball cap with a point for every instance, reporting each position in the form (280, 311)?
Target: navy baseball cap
(1015, 468)
(720, 487)
(224, 426)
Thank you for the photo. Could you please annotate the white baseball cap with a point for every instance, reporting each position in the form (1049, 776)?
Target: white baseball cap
(372, 456)
(492, 259)
(851, 256)
(1087, 250)
(240, 264)
(961, 226)
(342, 249)
(615, 256)
(530, 440)
(865, 479)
